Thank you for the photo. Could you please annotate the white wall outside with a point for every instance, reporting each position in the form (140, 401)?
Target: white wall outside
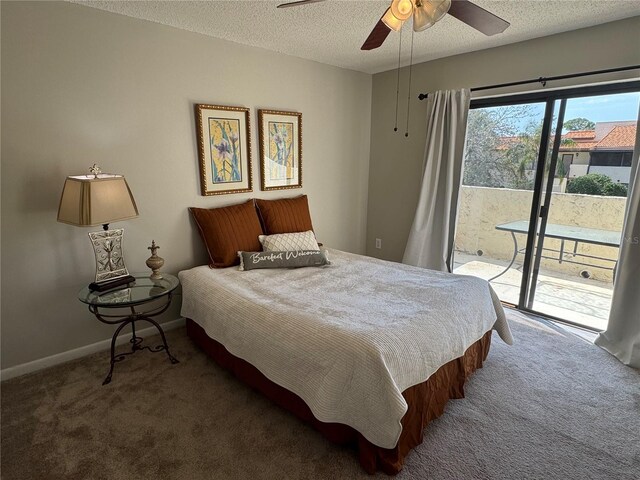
(617, 174)
(578, 170)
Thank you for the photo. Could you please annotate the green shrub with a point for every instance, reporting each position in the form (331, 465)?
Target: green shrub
(615, 190)
(591, 184)
(596, 184)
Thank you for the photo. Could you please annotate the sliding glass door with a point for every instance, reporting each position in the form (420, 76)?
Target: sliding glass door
(501, 158)
(583, 204)
(543, 198)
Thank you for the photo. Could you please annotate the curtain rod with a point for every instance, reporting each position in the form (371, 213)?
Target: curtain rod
(544, 80)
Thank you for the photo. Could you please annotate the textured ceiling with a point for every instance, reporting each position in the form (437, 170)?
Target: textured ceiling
(332, 32)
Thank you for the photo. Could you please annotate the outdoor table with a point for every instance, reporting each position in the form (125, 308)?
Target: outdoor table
(565, 233)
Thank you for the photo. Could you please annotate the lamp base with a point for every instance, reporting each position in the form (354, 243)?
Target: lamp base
(110, 269)
(111, 284)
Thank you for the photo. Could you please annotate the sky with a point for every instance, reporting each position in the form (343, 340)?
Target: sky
(600, 108)
(604, 108)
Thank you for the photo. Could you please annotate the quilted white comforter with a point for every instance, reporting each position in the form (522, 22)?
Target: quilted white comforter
(348, 338)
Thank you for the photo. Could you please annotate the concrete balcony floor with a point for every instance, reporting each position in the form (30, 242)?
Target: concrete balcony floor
(583, 301)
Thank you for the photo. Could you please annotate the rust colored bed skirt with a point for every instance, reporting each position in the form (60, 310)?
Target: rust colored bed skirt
(426, 400)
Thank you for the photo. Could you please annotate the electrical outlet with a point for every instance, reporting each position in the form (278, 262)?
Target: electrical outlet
(378, 243)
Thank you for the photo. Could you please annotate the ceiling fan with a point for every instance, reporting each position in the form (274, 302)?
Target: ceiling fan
(425, 13)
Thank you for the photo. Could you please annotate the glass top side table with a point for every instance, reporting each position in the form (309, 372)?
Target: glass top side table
(145, 298)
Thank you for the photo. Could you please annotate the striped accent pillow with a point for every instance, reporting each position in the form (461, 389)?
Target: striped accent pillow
(227, 230)
(285, 215)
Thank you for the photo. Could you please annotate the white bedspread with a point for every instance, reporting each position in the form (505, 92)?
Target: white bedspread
(348, 338)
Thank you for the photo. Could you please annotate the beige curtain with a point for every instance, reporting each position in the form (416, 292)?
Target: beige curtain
(432, 234)
(622, 336)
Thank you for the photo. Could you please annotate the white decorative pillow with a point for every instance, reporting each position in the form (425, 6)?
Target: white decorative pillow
(289, 242)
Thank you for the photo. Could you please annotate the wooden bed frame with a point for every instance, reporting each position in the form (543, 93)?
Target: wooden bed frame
(426, 401)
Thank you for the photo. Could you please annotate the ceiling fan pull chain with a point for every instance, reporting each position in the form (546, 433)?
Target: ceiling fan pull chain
(395, 128)
(406, 133)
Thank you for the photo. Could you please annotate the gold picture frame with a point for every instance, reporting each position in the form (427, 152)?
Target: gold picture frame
(280, 141)
(225, 158)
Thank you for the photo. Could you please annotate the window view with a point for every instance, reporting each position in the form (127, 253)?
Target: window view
(573, 260)
(497, 190)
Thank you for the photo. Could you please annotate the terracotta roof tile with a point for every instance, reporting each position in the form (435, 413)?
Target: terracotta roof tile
(580, 134)
(622, 136)
(507, 142)
(578, 147)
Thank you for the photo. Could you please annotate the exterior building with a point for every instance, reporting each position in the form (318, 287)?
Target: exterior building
(607, 150)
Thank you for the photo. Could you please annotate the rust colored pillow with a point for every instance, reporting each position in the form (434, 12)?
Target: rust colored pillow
(228, 230)
(286, 215)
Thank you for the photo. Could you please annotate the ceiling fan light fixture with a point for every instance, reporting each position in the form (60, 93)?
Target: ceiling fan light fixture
(390, 20)
(401, 9)
(428, 12)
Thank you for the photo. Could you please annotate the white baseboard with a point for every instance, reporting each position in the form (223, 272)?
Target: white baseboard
(58, 358)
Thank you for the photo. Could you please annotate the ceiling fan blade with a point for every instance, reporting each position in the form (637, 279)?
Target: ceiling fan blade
(298, 3)
(377, 36)
(477, 17)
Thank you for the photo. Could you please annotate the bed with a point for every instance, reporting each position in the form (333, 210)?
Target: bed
(367, 351)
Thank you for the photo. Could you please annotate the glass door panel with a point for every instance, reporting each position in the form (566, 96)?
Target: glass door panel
(500, 164)
(574, 260)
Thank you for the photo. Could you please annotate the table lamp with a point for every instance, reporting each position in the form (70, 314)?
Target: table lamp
(100, 199)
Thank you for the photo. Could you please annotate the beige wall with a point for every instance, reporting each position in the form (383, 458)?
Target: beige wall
(80, 86)
(396, 162)
(481, 209)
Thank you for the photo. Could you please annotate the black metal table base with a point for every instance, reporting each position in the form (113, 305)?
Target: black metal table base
(560, 257)
(136, 344)
(513, 259)
(122, 320)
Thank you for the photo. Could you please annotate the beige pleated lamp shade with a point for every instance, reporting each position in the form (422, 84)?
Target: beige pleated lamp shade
(89, 200)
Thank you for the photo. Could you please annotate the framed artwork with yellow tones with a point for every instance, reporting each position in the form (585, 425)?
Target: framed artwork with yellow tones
(280, 139)
(224, 149)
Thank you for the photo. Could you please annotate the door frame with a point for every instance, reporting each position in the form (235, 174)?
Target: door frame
(539, 211)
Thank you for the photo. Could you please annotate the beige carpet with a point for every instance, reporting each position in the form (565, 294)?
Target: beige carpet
(552, 406)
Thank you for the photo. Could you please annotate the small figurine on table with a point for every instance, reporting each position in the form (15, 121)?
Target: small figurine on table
(154, 262)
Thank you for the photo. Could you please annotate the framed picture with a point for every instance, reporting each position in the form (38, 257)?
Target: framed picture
(224, 149)
(280, 135)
